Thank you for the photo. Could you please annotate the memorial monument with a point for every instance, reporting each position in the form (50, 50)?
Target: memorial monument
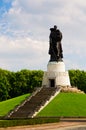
(55, 75)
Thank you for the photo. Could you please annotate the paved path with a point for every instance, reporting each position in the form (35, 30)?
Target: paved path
(73, 119)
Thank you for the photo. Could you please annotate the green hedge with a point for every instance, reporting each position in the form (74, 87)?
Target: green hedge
(31, 121)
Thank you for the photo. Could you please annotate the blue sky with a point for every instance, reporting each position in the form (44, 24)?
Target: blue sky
(5, 5)
(24, 33)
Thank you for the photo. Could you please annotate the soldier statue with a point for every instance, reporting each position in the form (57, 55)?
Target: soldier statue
(55, 48)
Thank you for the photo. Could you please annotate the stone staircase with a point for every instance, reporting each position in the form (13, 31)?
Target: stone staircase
(30, 107)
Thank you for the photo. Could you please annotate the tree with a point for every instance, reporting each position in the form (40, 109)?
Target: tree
(13, 84)
(4, 84)
(78, 79)
(36, 78)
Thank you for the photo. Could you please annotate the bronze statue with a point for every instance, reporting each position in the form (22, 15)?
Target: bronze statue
(55, 49)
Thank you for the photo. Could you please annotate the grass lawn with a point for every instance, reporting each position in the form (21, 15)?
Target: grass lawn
(67, 105)
(6, 106)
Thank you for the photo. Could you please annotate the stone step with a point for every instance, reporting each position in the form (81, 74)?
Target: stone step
(29, 107)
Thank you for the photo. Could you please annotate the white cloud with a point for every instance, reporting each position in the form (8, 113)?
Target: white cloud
(25, 31)
(22, 52)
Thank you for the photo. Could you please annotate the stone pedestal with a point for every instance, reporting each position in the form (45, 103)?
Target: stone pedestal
(56, 75)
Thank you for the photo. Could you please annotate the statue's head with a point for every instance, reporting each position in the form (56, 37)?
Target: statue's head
(55, 27)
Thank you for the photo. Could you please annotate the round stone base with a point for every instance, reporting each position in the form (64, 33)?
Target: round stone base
(56, 66)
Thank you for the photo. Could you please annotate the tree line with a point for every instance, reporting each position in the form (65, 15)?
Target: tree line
(13, 84)
(78, 79)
